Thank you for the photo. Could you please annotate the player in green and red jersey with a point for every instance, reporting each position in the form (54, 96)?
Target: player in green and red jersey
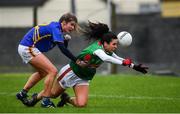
(72, 75)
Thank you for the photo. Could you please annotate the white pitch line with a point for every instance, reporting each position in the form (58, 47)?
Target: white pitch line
(111, 96)
(135, 97)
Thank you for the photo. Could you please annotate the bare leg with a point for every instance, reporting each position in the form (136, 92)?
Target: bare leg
(55, 91)
(43, 65)
(81, 96)
(33, 80)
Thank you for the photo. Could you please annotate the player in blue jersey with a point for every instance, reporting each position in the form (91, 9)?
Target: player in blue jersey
(43, 38)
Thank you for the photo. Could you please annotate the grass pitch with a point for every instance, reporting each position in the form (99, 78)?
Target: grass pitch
(120, 93)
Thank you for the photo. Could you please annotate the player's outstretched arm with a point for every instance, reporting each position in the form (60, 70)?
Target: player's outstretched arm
(128, 62)
(67, 53)
(139, 67)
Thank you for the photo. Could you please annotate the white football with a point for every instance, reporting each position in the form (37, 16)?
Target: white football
(124, 38)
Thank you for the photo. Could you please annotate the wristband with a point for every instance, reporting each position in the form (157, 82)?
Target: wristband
(132, 65)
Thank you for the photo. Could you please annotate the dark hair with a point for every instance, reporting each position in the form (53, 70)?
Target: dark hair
(67, 17)
(107, 37)
(99, 31)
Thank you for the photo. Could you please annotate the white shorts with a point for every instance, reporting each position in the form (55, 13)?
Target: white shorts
(27, 53)
(67, 78)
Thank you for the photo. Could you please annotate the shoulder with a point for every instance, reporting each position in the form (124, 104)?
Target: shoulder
(54, 24)
(55, 27)
(97, 45)
(94, 46)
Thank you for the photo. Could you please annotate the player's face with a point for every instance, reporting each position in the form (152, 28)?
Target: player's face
(112, 46)
(69, 26)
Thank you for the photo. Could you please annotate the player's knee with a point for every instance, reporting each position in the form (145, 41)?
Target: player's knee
(53, 71)
(81, 104)
(54, 95)
(42, 74)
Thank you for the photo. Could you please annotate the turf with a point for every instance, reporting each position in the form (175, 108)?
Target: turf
(122, 93)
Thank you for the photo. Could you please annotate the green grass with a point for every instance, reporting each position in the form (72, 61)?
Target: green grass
(108, 94)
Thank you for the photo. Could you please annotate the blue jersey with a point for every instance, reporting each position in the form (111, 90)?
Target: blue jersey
(43, 37)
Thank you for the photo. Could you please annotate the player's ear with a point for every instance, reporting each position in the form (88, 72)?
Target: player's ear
(63, 23)
(105, 44)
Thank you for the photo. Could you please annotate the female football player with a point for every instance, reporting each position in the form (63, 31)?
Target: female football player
(43, 38)
(72, 75)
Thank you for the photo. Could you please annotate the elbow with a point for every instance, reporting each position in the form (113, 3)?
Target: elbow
(63, 49)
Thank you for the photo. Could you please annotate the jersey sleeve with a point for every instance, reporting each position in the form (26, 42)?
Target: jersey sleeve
(66, 43)
(117, 57)
(57, 35)
(66, 52)
(103, 56)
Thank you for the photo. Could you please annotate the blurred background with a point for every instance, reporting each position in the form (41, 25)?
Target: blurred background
(154, 25)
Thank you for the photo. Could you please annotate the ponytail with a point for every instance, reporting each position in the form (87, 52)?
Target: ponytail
(95, 31)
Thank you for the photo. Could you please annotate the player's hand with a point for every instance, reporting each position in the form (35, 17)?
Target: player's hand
(141, 68)
(127, 62)
(81, 63)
